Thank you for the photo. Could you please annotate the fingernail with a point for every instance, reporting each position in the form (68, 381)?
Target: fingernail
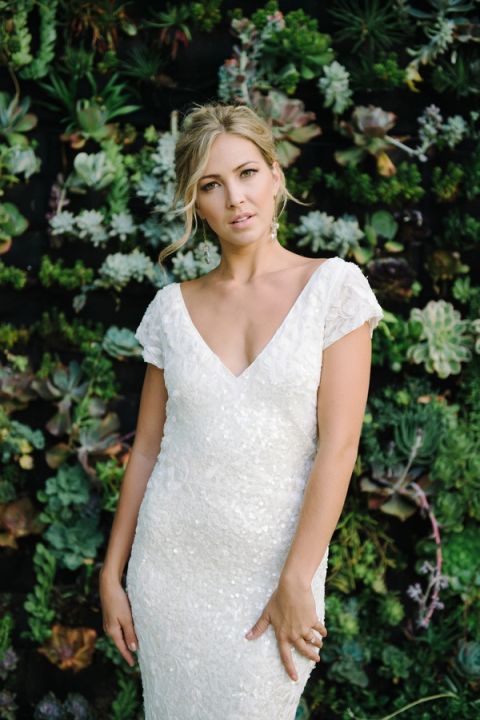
(249, 635)
(133, 647)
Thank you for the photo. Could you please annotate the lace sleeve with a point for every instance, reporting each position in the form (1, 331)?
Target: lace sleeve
(352, 303)
(149, 334)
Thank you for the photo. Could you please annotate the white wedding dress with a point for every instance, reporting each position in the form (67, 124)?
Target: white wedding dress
(222, 503)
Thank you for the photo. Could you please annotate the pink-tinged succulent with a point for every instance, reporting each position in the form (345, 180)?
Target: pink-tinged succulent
(18, 519)
(291, 124)
(70, 648)
(369, 128)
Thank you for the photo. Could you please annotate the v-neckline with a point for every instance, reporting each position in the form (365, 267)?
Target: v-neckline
(270, 342)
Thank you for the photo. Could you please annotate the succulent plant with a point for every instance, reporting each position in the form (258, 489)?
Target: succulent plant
(192, 264)
(369, 128)
(18, 519)
(94, 170)
(163, 158)
(122, 225)
(21, 160)
(335, 87)
(70, 648)
(120, 343)
(291, 125)
(65, 387)
(15, 120)
(322, 232)
(468, 660)
(12, 224)
(62, 223)
(442, 344)
(8, 705)
(89, 224)
(460, 555)
(118, 269)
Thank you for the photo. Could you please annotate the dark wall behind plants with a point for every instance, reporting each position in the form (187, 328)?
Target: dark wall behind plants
(375, 109)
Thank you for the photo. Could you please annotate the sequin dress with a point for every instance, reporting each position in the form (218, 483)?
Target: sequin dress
(222, 503)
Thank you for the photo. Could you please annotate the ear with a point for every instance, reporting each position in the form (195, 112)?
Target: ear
(276, 177)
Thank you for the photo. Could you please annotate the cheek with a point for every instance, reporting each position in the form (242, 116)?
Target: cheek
(264, 192)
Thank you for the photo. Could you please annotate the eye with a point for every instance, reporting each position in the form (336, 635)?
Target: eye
(249, 170)
(208, 186)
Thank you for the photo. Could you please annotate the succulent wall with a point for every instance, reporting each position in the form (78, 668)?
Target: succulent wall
(375, 109)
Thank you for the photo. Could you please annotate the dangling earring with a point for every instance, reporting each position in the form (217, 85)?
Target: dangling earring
(274, 226)
(206, 246)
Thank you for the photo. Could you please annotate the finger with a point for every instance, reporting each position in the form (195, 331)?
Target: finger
(321, 628)
(260, 626)
(314, 639)
(129, 634)
(117, 637)
(307, 649)
(287, 659)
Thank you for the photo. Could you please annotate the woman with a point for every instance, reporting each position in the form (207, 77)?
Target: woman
(248, 430)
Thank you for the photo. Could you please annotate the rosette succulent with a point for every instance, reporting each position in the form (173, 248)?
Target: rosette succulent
(442, 344)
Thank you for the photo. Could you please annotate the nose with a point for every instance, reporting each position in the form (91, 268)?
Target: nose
(233, 194)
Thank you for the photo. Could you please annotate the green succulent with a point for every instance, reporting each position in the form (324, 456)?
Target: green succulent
(72, 517)
(370, 24)
(38, 603)
(18, 440)
(299, 40)
(347, 661)
(110, 474)
(54, 273)
(65, 387)
(74, 544)
(92, 170)
(15, 120)
(442, 344)
(12, 224)
(63, 493)
(462, 230)
(455, 474)
(47, 32)
(446, 182)
(120, 343)
(396, 663)
(468, 660)
(392, 610)
(460, 560)
(361, 187)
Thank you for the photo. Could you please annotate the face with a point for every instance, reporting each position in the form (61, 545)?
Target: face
(237, 183)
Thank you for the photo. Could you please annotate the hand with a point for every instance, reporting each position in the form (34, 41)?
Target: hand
(293, 614)
(117, 617)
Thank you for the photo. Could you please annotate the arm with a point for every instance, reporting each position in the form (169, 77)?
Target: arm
(146, 446)
(117, 621)
(342, 397)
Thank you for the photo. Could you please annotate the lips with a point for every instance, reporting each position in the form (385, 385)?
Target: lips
(241, 218)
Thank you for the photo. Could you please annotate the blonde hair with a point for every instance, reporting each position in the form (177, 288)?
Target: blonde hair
(199, 129)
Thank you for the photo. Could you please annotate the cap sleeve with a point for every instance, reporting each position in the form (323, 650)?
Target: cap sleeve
(352, 303)
(149, 333)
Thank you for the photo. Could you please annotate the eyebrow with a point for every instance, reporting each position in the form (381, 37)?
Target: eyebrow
(237, 168)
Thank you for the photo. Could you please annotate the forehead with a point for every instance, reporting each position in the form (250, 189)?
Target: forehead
(229, 150)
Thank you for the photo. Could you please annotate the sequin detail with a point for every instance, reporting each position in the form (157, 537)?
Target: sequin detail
(222, 503)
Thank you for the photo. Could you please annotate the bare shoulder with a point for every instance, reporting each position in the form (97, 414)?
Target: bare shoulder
(191, 288)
